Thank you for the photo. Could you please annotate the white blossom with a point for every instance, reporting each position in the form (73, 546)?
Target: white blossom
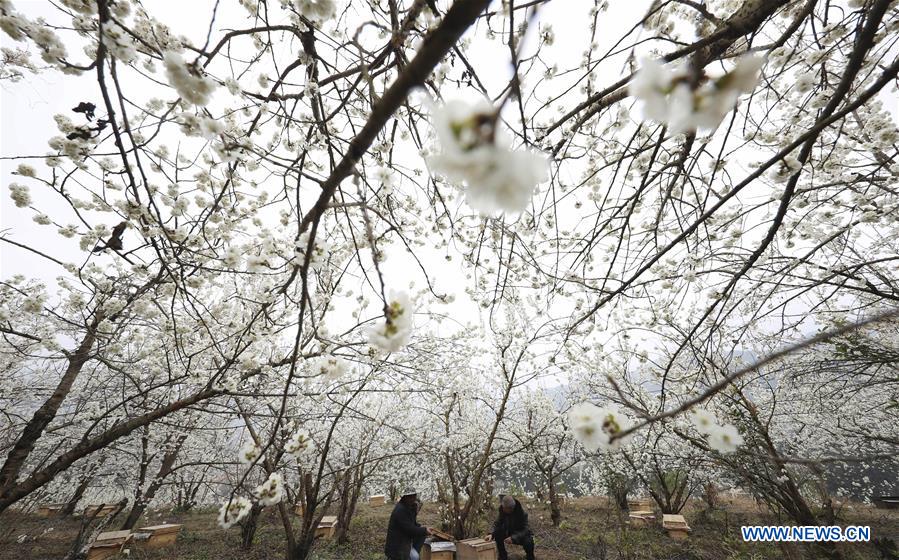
(269, 493)
(594, 426)
(191, 83)
(320, 250)
(19, 194)
(393, 332)
(298, 444)
(475, 153)
(315, 10)
(666, 96)
(233, 511)
(25, 170)
(249, 453)
(721, 437)
(725, 439)
(329, 367)
(119, 43)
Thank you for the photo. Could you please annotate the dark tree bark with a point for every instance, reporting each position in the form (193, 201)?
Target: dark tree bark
(70, 506)
(87, 446)
(165, 468)
(248, 527)
(35, 427)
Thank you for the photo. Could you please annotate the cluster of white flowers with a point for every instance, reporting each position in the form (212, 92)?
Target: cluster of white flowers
(249, 452)
(667, 97)
(594, 426)
(19, 194)
(298, 444)
(13, 62)
(394, 331)
(34, 303)
(191, 83)
(320, 251)
(786, 168)
(269, 493)
(233, 511)
(118, 42)
(315, 10)
(721, 437)
(229, 383)
(18, 27)
(200, 125)
(477, 154)
(25, 170)
(329, 368)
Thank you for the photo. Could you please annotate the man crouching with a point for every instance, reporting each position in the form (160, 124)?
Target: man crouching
(511, 527)
(403, 530)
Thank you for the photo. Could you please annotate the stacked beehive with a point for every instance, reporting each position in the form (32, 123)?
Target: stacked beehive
(326, 527)
(158, 536)
(475, 549)
(108, 544)
(676, 526)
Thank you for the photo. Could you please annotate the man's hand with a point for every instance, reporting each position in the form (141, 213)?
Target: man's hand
(508, 540)
(488, 538)
(429, 530)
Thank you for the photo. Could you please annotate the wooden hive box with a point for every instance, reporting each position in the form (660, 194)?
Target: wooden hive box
(47, 510)
(475, 549)
(377, 500)
(102, 510)
(299, 510)
(641, 518)
(108, 544)
(676, 526)
(326, 527)
(639, 504)
(438, 551)
(886, 502)
(161, 535)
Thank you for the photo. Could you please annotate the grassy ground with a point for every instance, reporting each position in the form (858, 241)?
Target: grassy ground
(591, 529)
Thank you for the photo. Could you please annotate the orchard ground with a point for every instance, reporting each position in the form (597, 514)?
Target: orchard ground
(592, 528)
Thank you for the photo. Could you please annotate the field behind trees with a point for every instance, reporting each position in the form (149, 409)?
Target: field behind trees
(267, 254)
(592, 529)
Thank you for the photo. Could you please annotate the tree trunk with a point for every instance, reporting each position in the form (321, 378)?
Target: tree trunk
(555, 508)
(141, 502)
(70, 506)
(350, 491)
(34, 429)
(248, 527)
(85, 447)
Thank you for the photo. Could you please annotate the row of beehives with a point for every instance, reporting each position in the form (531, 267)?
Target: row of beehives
(95, 510)
(443, 547)
(440, 547)
(111, 543)
(641, 515)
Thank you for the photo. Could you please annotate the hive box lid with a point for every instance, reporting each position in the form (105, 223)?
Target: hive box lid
(478, 543)
(436, 533)
(162, 529)
(112, 538)
(674, 521)
(328, 520)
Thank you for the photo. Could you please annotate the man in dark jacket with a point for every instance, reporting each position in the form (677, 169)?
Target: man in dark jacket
(403, 528)
(511, 527)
